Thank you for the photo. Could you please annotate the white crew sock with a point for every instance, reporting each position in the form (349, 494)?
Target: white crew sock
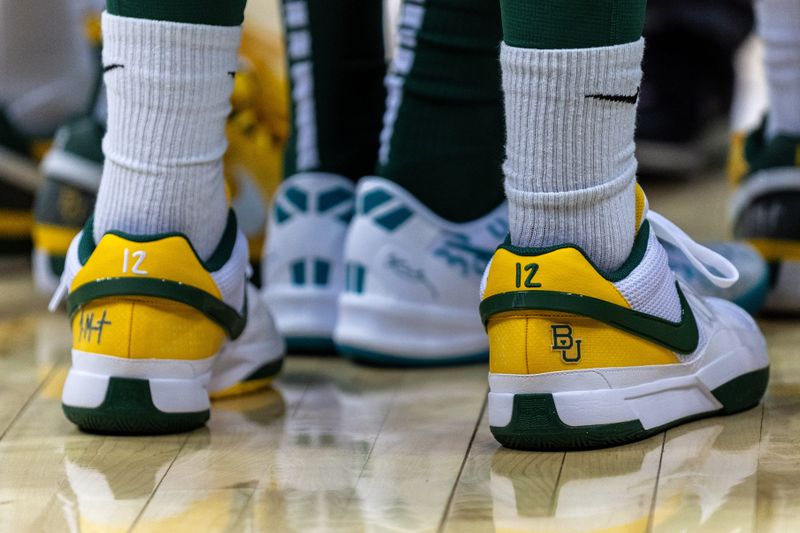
(167, 104)
(779, 28)
(570, 168)
(46, 68)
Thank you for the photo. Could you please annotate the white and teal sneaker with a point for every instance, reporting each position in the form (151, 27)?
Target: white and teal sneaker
(303, 269)
(412, 281)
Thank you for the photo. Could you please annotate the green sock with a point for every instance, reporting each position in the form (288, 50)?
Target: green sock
(337, 63)
(210, 12)
(444, 130)
(559, 24)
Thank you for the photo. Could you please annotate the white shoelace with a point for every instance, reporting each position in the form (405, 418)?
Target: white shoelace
(58, 296)
(697, 254)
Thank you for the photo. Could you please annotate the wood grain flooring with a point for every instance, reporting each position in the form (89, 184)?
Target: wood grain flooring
(340, 447)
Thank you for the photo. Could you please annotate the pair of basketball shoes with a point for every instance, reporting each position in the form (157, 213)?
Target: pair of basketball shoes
(579, 357)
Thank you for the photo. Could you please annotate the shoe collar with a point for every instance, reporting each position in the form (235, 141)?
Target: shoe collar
(218, 259)
(721, 273)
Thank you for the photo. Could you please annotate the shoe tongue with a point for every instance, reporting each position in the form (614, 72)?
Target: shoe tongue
(642, 206)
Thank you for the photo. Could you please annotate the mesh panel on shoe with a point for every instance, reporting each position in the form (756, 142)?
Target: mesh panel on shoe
(650, 288)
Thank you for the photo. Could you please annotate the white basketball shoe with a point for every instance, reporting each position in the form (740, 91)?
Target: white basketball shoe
(303, 269)
(412, 280)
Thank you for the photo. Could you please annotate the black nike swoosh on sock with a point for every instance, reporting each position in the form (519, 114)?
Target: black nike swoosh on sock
(620, 98)
(232, 74)
(108, 68)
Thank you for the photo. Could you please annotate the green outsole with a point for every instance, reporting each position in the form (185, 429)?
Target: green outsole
(128, 409)
(535, 424)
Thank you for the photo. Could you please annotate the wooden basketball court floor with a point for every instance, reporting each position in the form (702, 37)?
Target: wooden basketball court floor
(347, 448)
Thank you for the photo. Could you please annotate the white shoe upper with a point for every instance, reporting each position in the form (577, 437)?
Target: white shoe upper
(412, 278)
(409, 254)
(303, 268)
(307, 226)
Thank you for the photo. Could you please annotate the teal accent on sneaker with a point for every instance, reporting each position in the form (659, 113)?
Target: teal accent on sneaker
(394, 219)
(299, 272)
(330, 199)
(297, 198)
(354, 280)
(374, 199)
(347, 216)
(321, 272)
(281, 215)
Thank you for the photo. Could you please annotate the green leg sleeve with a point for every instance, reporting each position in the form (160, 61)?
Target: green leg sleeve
(444, 131)
(211, 12)
(336, 58)
(558, 24)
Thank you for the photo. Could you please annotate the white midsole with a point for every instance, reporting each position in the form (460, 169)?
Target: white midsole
(654, 395)
(140, 368)
(406, 329)
(176, 386)
(305, 312)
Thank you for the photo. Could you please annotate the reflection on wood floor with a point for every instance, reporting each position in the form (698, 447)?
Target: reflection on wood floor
(335, 446)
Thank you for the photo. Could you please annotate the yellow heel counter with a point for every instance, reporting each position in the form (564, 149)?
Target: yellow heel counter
(565, 270)
(145, 328)
(170, 258)
(536, 343)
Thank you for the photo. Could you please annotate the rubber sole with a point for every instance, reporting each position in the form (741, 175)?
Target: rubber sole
(128, 409)
(383, 331)
(371, 358)
(536, 426)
